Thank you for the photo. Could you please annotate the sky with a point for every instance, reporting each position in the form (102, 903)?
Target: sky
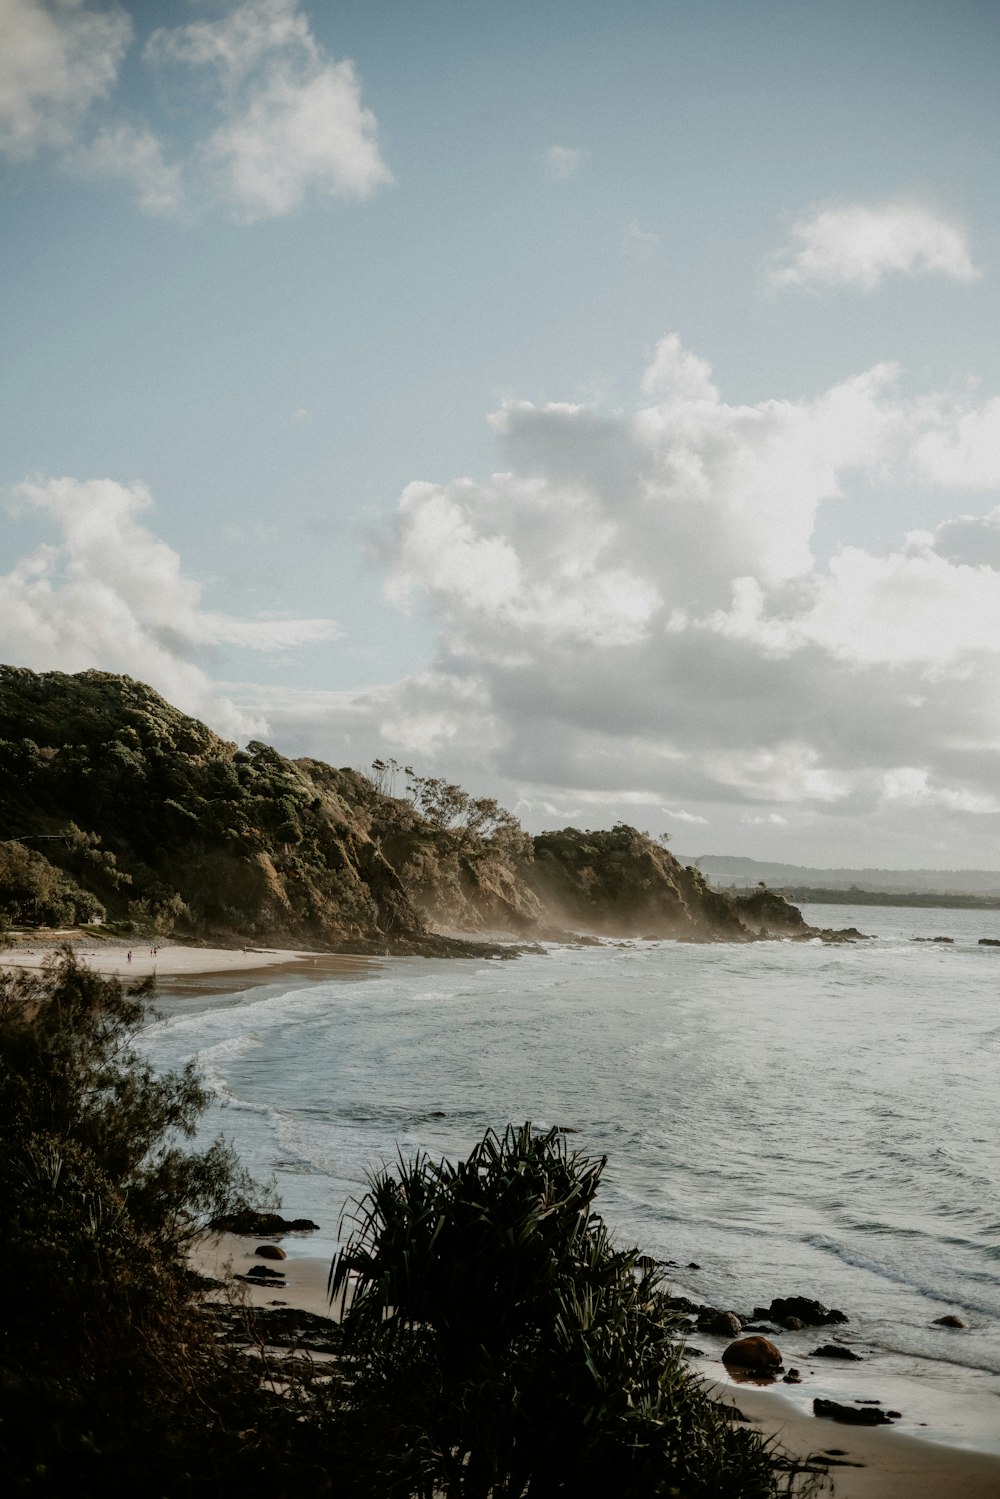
(595, 405)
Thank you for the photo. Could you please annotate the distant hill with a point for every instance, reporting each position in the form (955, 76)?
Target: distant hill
(723, 870)
(116, 807)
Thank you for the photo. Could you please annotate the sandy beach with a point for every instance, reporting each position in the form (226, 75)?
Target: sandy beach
(179, 967)
(871, 1463)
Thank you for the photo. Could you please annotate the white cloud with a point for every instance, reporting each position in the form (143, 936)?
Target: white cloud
(292, 118)
(562, 161)
(283, 120)
(57, 58)
(239, 40)
(128, 154)
(112, 595)
(631, 613)
(855, 244)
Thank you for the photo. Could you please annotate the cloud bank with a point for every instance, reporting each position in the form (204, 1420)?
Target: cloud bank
(111, 595)
(855, 244)
(287, 120)
(631, 616)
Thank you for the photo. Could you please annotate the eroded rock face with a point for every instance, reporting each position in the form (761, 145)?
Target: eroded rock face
(755, 1353)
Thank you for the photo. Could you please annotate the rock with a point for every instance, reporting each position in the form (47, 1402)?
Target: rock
(682, 1304)
(811, 1313)
(724, 1324)
(792, 1377)
(948, 940)
(693, 1265)
(951, 1320)
(989, 942)
(851, 1415)
(261, 1272)
(792, 1324)
(836, 1350)
(257, 1224)
(270, 1252)
(756, 1353)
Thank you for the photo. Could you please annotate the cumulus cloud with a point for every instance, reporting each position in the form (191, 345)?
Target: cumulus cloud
(855, 244)
(292, 118)
(562, 161)
(283, 120)
(632, 619)
(111, 594)
(126, 153)
(57, 58)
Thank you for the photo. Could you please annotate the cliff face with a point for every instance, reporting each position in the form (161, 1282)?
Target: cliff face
(113, 803)
(622, 883)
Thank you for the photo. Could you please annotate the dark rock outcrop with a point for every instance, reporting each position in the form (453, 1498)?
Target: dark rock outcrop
(851, 1415)
(810, 1313)
(836, 1350)
(256, 1225)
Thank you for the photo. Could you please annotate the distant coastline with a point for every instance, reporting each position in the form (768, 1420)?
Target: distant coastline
(838, 896)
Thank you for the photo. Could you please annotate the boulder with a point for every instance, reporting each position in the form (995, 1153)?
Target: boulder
(951, 1320)
(989, 942)
(270, 1252)
(851, 1415)
(836, 1350)
(755, 1353)
(810, 1313)
(261, 1272)
(724, 1324)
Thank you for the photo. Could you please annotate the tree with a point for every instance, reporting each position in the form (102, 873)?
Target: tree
(107, 1371)
(502, 1345)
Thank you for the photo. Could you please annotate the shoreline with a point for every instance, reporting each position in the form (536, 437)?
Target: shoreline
(862, 1462)
(182, 969)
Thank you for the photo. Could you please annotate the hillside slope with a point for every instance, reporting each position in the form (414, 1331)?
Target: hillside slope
(115, 805)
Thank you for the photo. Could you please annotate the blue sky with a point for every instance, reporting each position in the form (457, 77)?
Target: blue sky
(599, 405)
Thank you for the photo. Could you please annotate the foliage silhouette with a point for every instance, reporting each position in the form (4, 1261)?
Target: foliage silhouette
(503, 1346)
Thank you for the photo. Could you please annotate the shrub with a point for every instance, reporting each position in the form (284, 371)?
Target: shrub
(109, 1374)
(502, 1344)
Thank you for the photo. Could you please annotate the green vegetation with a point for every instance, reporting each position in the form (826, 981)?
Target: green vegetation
(169, 827)
(110, 1375)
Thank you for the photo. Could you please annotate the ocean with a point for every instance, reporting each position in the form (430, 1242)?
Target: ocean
(780, 1118)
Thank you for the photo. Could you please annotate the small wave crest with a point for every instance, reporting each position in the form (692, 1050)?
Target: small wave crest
(859, 1261)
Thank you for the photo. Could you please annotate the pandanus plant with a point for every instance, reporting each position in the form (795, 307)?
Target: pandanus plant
(499, 1344)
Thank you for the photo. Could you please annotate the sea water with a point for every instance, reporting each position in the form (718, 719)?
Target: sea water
(779, 1118)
